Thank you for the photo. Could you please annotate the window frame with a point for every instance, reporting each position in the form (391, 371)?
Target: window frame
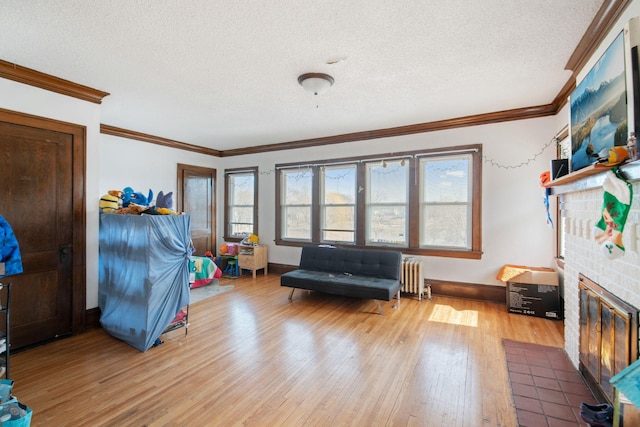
(421, 161)
(280, 207)
(323, 203)
(370, 205)
(563, 147)
(412, 159)
(228, 173)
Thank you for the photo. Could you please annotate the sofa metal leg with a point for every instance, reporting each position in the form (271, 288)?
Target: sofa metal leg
(291, 294)
(397, 305)
(379, 307)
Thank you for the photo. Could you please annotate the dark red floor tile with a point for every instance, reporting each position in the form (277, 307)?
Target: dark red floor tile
(515, 351)
(549, 395)
(530, 419)
(509, 344)
(572, 377)
(521, 378)
(536, 354)
(547, 383)
(574, 388)
(515, 358)
(547, 389)
(564, 364)
(522, 368)
(538, 371)
(536, 361)
(524, 390)
(555, 422)
(528, 404)
(554, 410)
(576, 399)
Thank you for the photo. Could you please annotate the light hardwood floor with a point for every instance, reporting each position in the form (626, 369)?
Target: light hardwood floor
(253, 358)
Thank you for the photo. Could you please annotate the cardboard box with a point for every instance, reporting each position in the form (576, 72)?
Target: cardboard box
(532, 291)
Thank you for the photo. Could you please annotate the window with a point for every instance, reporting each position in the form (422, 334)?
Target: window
(387, 203)
(296, 190)
(425, 202)
(241, 200)
(445, 201)
(338, 207)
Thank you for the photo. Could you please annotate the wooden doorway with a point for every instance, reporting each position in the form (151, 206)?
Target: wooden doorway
(196, 196)
(42, 197)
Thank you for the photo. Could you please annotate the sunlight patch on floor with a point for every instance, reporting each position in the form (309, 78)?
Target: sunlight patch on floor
(447, 314)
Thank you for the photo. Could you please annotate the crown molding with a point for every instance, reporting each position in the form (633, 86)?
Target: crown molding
(139, 136)
(35, 78)
(602, 23)
(467, 121)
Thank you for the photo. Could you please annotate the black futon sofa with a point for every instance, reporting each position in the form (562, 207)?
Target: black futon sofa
(371, 274)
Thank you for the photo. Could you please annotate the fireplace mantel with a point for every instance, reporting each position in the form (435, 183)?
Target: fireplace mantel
(591, 177)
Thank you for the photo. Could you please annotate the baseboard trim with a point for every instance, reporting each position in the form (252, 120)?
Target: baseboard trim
(281, 268)
(92, 319)
(489, 293)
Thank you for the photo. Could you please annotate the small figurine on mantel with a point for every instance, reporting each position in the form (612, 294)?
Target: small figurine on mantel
(632, 147)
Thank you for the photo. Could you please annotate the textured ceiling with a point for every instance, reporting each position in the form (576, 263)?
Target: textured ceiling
(223, 74)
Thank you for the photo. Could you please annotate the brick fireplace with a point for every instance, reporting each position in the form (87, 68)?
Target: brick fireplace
(608, 337)
(581, 208)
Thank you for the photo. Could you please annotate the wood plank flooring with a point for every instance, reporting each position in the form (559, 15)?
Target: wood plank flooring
(253, 358)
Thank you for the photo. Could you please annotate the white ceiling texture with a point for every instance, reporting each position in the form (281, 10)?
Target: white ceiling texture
(223, 74)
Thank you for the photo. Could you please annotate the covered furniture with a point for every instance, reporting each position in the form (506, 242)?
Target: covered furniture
(143, 274)
(371, 274)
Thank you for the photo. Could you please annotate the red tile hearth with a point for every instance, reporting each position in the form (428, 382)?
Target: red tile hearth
(547, 390)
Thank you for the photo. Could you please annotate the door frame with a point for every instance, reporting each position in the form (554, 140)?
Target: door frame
(79, 215)
(214, 204)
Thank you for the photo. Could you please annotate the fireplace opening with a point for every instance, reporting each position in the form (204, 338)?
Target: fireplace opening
(608, 337)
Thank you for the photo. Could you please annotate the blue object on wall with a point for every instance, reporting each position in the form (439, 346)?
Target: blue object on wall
(9, 250)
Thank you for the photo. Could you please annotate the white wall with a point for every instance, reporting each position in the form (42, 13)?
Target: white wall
(143, 166)
(513, 214)
(39, 102)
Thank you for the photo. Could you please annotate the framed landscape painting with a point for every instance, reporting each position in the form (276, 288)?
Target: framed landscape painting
(599, 108)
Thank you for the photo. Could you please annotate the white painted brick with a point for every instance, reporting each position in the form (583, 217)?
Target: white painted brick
(581, 211)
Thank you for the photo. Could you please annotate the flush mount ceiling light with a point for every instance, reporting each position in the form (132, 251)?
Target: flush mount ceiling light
(316, 83)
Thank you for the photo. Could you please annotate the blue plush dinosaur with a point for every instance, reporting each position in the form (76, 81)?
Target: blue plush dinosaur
(130, 196)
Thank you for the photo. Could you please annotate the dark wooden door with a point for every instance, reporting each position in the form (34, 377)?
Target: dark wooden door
(196, 196)
(36, 199)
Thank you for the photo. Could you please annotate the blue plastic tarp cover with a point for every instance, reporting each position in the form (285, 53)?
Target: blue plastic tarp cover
(143, 274)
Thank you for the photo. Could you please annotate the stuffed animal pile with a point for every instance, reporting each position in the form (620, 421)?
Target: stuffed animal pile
(128, 201)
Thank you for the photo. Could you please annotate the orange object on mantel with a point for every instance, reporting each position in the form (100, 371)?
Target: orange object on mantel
(593, 169)
(524, 274)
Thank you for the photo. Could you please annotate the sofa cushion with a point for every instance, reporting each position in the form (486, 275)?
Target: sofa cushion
(375, 263)
(342, 284)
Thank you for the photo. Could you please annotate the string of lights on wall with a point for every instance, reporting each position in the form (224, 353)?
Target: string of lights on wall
(491, 162)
